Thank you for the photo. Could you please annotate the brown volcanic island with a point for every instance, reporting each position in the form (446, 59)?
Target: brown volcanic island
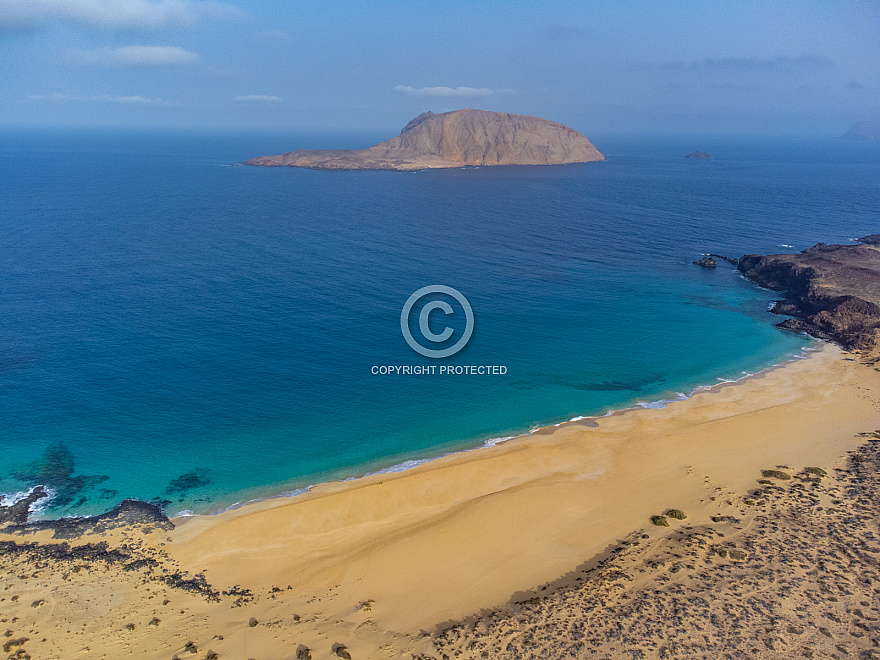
(454, 139)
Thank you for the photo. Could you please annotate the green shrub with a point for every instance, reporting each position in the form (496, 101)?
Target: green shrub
(659, 521)
(678, 514)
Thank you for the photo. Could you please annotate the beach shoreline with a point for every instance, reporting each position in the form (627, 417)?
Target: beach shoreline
(588, 420)
(461, 494)
(386, 563)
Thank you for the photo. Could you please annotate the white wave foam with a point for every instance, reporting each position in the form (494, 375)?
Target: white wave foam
(662, 403)
(757, 286)
(296, 491)
(491, 442)
(398, 467)
(403, 466)
(8, 499)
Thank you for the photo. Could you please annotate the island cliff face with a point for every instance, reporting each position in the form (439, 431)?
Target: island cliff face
(833, 291)
(454, 139)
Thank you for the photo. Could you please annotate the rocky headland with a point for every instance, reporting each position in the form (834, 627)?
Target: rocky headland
(832, 291)
(454, 139)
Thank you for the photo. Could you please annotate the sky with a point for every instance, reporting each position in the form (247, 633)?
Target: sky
(739, 67)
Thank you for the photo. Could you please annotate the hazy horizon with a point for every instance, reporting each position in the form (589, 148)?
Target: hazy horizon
(789, 68)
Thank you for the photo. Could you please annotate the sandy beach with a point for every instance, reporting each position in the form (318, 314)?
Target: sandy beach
(414, 564)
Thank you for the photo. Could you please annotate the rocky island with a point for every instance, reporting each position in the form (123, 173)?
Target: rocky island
(454, 139)
(832, 291)
(700, 155)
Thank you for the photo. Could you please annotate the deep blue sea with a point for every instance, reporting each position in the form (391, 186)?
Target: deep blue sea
(174, 327)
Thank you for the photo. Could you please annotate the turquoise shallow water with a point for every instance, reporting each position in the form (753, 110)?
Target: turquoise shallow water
(173, 328)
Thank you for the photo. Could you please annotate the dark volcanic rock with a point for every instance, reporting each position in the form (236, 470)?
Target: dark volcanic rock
(90, 552)
(730, 260)
(698, 154)
(126, 513)
(55, 469)
(832, 290)
(706, 262)
(18, 512)
(870, 239)
(188, 481)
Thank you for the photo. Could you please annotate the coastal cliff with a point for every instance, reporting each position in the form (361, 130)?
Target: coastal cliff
(454, 139)
(832, 291)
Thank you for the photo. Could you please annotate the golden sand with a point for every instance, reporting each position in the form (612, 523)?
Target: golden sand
(372, 562)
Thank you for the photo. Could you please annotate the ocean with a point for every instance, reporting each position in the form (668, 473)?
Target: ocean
(178, 328)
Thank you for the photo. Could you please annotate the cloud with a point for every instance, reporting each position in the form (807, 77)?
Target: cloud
(100, 98)
(110, 14)
(153, 56)
(53, 98)
(136, 56)
(854, 84)
(129, 100)
(444, 91)
(750, 64)
(257, 98)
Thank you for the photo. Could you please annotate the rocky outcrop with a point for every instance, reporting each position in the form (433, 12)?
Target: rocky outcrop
(832, 291)
(125, 514)
(711, 260)
(454, 139)
(55, 470)
(864, 130)
(698, 154)
(18, 511)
